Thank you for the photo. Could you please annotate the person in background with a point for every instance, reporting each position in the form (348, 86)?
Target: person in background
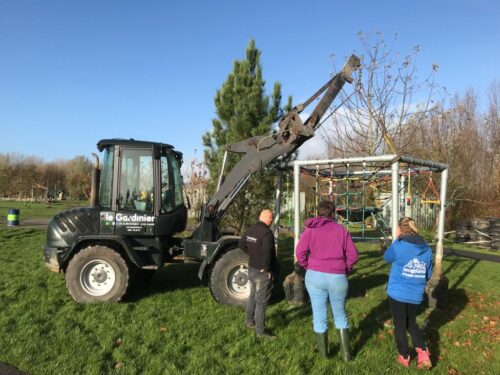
(327, 252)
(411, 268)
(258, 242)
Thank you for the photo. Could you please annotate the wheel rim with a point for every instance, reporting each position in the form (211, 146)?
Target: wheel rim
(237, 282)
(97, 277)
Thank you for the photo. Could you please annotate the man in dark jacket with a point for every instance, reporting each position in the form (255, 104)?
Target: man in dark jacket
(258, 242)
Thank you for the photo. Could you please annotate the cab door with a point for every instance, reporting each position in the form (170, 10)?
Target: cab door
(135, 192)
(172, 216)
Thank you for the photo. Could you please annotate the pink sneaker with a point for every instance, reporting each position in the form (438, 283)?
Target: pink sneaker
(404, 361)
(423, 360)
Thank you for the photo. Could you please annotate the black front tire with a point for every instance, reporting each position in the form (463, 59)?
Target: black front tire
(97, 274)
(229, 279)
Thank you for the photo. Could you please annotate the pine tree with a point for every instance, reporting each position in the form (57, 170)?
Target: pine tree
(243, 111)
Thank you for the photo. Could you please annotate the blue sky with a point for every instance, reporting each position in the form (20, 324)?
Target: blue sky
(74, 72)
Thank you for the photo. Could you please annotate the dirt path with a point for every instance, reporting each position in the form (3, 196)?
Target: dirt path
(6, 369)
(37, 223)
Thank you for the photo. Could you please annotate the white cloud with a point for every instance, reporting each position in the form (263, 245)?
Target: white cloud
(314, 148)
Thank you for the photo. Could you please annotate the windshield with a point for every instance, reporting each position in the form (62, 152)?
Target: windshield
(136, 181)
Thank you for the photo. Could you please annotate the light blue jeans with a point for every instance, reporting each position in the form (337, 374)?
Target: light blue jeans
(324, 287)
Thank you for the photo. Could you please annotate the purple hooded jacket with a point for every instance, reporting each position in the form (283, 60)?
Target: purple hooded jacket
(326, 246)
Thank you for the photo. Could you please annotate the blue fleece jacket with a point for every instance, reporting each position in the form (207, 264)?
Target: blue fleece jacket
(411, 260)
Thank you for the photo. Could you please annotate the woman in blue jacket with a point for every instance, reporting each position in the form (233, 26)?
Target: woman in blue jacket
(411, 260)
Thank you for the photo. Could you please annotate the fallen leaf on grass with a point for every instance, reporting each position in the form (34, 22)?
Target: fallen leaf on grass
(467, 342)
(456, 343)
(487, 353)
(119, 365)
(452, 371)
(163, 329)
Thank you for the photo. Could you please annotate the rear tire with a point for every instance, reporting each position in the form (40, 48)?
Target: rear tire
(229, 279)
(97, 274)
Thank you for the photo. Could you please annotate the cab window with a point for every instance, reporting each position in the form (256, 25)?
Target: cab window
(171, 184)
(136, 181)
(106, 179)
(178, 182)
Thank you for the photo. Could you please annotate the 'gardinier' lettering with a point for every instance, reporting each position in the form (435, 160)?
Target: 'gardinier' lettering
(135, 218)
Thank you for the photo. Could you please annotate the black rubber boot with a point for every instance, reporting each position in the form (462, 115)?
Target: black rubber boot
(322, 340)
(344, 343)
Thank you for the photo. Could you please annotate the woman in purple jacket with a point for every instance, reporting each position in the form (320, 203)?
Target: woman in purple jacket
(327, 252)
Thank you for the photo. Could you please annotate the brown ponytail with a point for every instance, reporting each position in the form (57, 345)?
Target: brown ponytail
(407, 226)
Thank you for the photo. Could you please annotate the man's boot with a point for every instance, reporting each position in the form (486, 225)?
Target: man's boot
(322, 340)
(344, 343)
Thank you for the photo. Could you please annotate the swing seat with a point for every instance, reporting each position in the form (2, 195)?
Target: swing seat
(430, 201)
(431, 186)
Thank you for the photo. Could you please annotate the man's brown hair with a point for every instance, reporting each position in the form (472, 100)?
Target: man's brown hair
(326, 209)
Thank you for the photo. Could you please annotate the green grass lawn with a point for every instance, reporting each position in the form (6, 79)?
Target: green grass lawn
(38, 209)
(173, 326)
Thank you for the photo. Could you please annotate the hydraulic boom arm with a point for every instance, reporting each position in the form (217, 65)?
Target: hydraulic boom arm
(258, 152)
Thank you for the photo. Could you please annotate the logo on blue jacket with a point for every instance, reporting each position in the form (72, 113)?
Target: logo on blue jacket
(414, 268)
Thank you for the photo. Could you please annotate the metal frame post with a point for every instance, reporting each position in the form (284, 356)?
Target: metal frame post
(277, 208)
(440, 227)
(395, 199)
(402, 203)
(296, 203)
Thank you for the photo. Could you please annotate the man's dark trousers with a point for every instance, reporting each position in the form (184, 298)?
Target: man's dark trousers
(261, 286)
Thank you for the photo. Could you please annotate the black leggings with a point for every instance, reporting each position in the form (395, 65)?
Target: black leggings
(404, 316)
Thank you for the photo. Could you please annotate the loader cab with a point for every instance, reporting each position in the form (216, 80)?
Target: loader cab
(140, 189)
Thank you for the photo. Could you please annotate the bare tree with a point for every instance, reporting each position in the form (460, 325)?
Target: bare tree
(196, 182)
(468, 141)
(78, 177)
(53, 177)
(18, 174)
(383, 103)
(492, 131)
